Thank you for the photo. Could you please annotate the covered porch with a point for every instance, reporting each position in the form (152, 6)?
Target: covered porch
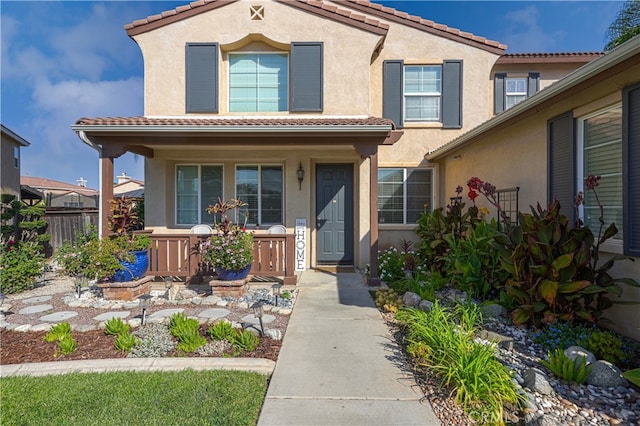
(161, 141)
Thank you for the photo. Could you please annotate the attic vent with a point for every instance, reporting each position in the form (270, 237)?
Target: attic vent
(257, 13)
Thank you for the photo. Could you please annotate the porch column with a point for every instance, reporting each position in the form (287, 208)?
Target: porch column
(106, 194)
(374, 280)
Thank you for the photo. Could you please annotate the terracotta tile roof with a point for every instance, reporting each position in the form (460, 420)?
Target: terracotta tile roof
(229, 121)
(41, 183)
(429, 26)
(315, 6)
(332, 10)
(522, 58)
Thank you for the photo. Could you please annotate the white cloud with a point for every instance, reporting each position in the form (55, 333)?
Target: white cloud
(522, 29)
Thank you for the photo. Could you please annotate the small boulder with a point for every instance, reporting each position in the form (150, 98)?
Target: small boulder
(493, 310)
(606, 375)
(535, 380)
(411, 299)
(273, 333)
(573, 352)
(425, 305)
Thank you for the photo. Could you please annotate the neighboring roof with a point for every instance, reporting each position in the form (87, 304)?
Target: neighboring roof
(129, 180)
(331, 10)
(240, 123)
(537, 58)
(136, 193)
(16, 137)
(50, 184)
(609, 60)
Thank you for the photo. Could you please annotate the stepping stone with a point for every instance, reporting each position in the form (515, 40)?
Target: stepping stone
(37, 299)
(214, 313)
(250, 319)
(59, 316)
(35, 309)
(165, 313)
(41, 327)
(108, 315)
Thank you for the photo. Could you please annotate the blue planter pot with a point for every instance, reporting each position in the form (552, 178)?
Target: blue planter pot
(230, 275)
(133, 270)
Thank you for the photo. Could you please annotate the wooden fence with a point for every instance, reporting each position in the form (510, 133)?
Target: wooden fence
(65, 225)
(178, 255)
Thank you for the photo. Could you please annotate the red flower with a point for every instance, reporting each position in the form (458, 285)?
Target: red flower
(472, 195)
(592, 181)
(474, 183)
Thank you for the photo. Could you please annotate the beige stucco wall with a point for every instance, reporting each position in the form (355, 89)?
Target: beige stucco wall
(10, 175)
(517, 156)
(347, 54)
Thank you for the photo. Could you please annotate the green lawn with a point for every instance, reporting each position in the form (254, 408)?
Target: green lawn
(134, 398)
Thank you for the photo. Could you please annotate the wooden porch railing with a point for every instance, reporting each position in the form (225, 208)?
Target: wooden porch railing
(178, 255)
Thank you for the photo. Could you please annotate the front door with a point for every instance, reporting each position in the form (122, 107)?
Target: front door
(334, 213)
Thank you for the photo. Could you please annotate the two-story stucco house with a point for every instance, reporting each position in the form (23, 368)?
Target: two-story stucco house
(10, 160)
(319, 114)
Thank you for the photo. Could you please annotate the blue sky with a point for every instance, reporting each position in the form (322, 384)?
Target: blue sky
(62, 60)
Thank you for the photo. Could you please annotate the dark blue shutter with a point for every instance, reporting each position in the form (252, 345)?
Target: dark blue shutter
(498, 92)
(202, 77)
(533, 83)
(630, 169)
(561, 162)
(392, 91)
(306, 77)
(452, 94)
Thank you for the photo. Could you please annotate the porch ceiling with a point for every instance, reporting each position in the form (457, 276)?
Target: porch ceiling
(141, 135)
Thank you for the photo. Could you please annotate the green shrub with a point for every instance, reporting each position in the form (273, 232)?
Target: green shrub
(605, 345)
(115, 326)
(444, 340)
(57, 332)
(390, 265)
(21, 263)
(180, 324)
(125, 342)
(66, 345)
(221, 330)
(244, 341)
(388, 300)
(575, 370)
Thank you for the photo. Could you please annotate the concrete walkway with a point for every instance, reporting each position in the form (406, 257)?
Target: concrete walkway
(338, 364)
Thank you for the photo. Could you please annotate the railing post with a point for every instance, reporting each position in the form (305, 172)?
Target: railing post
(290, 258)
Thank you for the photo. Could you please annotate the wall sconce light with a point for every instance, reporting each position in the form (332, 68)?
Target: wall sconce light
(145, 303)
(300, 173)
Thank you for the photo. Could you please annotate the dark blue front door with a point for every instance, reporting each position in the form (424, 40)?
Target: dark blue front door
(334, 213)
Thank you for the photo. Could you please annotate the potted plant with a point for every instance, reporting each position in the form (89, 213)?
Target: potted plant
(230, 250)
(133, 248)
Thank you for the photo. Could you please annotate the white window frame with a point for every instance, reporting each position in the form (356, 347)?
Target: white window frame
(175, 183)
(609, 246)
(508, 94)
(258, 53)
(282, 203)
(406, 95)
(405, 176)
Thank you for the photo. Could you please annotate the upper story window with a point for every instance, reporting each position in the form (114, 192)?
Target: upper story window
(262, 188)
(16, 157)
(509, 91)
(404, 194)
(197, 187)
(258, 82)
(515, 91)
(600, 154)
(422, 92)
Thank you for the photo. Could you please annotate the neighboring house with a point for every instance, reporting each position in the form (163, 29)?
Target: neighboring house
(62, 194)
(10, 161)
(587, 123)
(314, 110)
(126, 186)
